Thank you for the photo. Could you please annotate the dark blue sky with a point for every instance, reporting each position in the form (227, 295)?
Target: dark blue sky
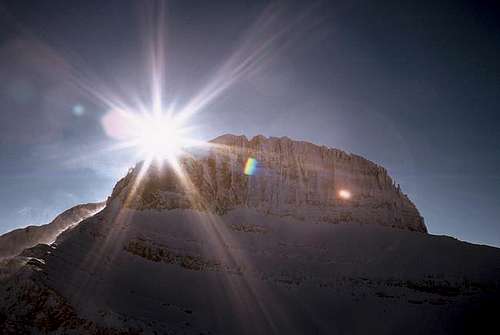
(413, 86)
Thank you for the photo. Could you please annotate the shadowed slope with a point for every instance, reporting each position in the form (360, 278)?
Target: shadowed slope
(180, 272)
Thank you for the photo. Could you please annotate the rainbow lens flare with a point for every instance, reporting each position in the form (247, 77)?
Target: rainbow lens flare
(250, 166)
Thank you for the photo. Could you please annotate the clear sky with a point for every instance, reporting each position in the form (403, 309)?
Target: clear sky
(411, 85)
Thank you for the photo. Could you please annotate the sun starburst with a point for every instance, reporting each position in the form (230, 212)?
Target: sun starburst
(155, 136)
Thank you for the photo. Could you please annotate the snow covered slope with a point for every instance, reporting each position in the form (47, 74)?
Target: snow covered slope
(14, 242)
(183, 271)
(226, 253)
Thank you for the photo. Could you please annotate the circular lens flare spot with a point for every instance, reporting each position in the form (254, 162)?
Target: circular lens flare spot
(345, 194)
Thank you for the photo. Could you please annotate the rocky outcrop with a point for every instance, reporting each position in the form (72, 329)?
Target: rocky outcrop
(14, 242)
(292, 178)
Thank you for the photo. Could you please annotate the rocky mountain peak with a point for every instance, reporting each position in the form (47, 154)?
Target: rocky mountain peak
(288, 178)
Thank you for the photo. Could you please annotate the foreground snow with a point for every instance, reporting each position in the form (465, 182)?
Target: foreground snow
(189, 272)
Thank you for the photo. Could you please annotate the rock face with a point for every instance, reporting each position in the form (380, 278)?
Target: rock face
(14, 242)
(292, 178)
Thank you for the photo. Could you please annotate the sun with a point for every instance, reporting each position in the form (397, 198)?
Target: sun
(154, 136)
(159, 137)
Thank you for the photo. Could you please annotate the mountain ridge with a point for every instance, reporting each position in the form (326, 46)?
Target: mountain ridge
(15, 241)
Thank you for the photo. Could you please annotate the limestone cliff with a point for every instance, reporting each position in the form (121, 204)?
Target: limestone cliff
(292, 178)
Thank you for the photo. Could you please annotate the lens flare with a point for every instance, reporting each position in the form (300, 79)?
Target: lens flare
(250, 166)
(345, 194)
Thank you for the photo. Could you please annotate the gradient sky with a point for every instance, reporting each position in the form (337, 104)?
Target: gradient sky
(411, 85)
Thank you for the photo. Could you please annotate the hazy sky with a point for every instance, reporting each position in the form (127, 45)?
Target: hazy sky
(411, 85)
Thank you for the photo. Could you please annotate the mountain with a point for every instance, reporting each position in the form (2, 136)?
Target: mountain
(14, 242)
(296, 179)
(211, 246)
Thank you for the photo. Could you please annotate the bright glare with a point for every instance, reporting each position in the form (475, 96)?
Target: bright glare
(159, 137)
(345, 194)
(155, 136)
